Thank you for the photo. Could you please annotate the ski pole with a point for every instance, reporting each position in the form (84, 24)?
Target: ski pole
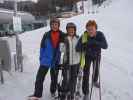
(100, 96)
(94, 68)
(98, 61)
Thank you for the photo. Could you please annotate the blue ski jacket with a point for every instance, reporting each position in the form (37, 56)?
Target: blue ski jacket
(50, 56)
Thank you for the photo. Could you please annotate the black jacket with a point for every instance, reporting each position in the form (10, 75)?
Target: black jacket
(93, 46)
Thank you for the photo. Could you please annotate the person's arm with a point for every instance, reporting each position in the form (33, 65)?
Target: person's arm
(99, 42)
(42, 45)
(66, 52)
(63, 36)
(79, 45)
(43, 40)
(102, 43)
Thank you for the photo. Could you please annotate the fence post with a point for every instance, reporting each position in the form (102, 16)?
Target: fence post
(1, 73)
(18, 57)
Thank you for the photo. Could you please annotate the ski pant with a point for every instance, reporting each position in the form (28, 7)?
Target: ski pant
(41, 74)
(70, 80)
(86, 73)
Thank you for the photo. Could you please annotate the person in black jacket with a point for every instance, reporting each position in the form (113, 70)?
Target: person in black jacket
(95, 41)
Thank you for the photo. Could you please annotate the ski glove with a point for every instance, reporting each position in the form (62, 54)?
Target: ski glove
(92, 42)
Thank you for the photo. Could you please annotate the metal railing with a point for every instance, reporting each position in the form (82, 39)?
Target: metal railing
(5, 57)
(1, 73)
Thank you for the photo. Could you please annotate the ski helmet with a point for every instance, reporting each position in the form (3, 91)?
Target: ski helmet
(54, 20)
(71, 25)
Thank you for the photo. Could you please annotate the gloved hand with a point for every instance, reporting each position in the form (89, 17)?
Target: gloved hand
(92, 42)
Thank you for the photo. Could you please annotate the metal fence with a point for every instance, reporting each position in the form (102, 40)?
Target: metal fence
(6, 57)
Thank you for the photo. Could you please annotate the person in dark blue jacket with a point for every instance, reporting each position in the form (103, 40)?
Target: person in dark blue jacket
(91, 43)
(49, 59)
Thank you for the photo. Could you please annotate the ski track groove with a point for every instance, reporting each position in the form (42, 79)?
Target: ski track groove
(119, 68)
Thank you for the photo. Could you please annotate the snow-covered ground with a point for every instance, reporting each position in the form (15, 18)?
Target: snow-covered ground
(116, 66)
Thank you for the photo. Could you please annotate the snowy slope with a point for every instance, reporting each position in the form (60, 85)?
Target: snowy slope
(116, 71)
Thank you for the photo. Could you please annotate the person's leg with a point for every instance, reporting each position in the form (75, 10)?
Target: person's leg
(54, 80)
(39, 81)
(64, 85)
(69, 83)
(98, 59)
(73, 80)
(86, 73)
(79, 81)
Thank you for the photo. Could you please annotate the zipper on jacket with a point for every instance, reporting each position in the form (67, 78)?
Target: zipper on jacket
(72, 51)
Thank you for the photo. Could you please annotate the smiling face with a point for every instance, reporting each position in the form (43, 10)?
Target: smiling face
(91, 27)
(55, 26)
(71, 31)
(91, 30)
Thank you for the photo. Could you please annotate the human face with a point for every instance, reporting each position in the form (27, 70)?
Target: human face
(54, 26)
(91, 30)
(71, 31)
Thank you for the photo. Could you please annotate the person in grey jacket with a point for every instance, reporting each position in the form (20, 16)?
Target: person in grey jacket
(72, 59)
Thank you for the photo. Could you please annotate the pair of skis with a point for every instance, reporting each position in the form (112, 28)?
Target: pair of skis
(93, 75)
(78, 94)
(79, 84)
